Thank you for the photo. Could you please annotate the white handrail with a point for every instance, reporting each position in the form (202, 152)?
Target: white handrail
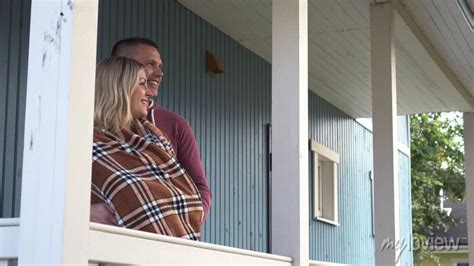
(104, 238)
(120, 245)
(9, 222)
(9, 235)
(325, 263)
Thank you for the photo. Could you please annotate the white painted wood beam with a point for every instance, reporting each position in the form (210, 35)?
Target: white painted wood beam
(435, 57)
(290, 130)
(384, 111)
(54, 218)
(469, 166)
(111, 244)
(9, 235)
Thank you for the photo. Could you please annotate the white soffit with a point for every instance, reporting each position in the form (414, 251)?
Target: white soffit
(339, 53)
(434, 87)
(446, 29)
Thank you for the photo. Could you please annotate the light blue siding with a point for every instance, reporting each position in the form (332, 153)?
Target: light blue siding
(351, 242)
(404, 129)
(14, 32)
(404, 173)
(403, 123)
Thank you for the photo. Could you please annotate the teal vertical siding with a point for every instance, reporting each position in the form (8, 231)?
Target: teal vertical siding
(14, 29)
(404, 186)
(404, 129)
(404, 173)
(351, 242)
(228, 112)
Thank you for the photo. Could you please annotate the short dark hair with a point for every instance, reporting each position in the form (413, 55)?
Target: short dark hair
(123, 45)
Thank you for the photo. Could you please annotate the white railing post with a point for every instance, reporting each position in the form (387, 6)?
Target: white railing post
(384, 112)
(290, 130)
(54, 218)
(469, 166)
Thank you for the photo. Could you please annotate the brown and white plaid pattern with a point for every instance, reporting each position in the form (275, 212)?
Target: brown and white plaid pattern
(137, 175)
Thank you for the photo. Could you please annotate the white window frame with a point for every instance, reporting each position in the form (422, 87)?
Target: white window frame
(325, 189)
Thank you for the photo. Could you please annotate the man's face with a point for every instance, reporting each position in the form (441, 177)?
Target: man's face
(151, 59)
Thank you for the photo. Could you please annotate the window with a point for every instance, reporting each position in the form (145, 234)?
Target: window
(324, 176)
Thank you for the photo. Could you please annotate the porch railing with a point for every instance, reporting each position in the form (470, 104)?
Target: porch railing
(114, 245)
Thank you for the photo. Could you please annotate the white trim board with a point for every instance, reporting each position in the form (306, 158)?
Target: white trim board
(324, 151)
(119, 245)
(321, 263)
(321, 219)
(403, 149)
(9, 222)
(9, 233)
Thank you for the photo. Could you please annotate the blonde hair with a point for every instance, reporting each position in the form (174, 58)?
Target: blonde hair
(116, 77)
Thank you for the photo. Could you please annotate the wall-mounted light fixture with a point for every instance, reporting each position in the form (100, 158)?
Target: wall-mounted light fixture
(213, 64)
(467, 9)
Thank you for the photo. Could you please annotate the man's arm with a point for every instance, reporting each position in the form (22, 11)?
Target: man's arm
(188, 157)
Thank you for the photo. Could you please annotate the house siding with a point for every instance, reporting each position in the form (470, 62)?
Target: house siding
(404, 174)
(403, 127)
(14, 29)
(351, 242)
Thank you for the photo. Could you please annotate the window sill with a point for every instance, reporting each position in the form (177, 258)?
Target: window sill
(324, 220)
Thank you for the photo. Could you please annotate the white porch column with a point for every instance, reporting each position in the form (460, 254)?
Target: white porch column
(54, 218)
(384, 111)
(469, 166)
(290, 130)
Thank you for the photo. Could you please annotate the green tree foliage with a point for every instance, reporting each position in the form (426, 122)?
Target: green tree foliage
(437, 162)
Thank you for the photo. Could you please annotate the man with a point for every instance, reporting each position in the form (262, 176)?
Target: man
(175, 127)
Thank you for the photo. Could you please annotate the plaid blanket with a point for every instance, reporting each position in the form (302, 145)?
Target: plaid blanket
(137, 175)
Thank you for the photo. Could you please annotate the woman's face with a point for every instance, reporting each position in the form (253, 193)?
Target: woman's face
(139, 100)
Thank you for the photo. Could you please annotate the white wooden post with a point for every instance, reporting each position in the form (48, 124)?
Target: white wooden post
(384, 111)
(290, 130)
(469, 166)
(54, 218)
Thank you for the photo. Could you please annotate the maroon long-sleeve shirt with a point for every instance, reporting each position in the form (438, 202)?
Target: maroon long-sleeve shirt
(184, 144)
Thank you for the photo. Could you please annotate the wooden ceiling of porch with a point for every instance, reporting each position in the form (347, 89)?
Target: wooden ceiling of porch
(339, 50)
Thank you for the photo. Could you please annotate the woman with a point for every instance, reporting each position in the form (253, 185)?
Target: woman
(134, 170)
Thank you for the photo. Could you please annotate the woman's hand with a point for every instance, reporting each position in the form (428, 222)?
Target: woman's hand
(100, 213)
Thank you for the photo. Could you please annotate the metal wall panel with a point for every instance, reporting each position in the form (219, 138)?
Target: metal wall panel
(404, 173)
(14, 29)
(404, 129)
(351, 242)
